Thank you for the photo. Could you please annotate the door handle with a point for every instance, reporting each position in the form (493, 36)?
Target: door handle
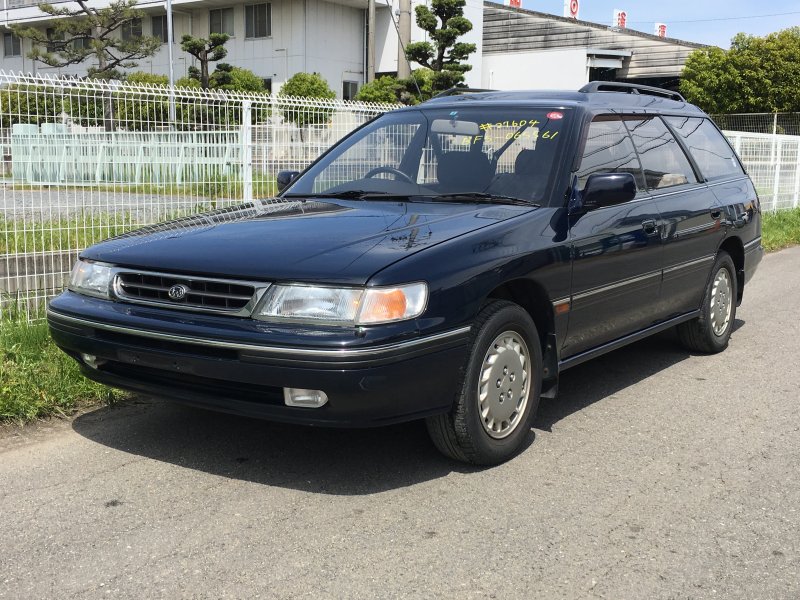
(650, 227)
(716, 214)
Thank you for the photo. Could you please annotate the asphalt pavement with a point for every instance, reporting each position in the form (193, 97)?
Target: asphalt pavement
(656, 474)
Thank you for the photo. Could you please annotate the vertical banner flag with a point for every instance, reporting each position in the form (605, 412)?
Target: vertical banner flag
(661, 30)
(571, 8)
(620, 18)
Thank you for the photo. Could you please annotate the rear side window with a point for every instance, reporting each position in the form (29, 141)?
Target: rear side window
(609, 150)
(708, 147)
(665, 165)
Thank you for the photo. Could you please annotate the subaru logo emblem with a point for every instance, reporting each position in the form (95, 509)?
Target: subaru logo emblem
(177, 292)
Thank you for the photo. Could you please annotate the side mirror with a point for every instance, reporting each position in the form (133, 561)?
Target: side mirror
(284, 178)
(608, 189)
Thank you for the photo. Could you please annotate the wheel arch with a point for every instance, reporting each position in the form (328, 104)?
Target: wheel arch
(534, 299)
(735, 248)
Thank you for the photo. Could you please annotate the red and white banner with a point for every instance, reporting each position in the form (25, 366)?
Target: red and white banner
(620, 18)
(513, 3)
(571, 8)
(660, 30)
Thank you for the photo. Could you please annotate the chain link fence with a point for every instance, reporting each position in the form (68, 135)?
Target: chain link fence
(83, 160)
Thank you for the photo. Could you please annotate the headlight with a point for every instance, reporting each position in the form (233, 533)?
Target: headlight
(91, 279)
(343, 306)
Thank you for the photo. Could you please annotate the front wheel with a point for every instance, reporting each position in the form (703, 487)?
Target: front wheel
(500, 390)
(711, 331)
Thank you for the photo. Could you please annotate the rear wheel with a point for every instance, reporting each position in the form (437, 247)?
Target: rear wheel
(711, 331)
(500, 390)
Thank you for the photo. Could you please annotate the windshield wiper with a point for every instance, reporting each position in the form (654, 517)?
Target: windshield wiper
(483, 197)
(350, 195)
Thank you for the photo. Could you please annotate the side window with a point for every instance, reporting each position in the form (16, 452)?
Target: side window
(708, 147)
(665, 164)
(609, 150)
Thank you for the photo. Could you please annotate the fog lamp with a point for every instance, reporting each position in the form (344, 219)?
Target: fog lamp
(304, 398)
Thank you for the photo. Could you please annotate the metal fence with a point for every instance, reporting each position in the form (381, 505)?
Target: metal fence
(85, 160)
(772, 123)
(773, 163)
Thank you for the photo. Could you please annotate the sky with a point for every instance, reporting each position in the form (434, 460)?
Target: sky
(703, 21)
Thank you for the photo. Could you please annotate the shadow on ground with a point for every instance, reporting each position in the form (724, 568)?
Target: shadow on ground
(335, 461)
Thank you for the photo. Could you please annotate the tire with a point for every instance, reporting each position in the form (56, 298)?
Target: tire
(482, 429)
(710, 332)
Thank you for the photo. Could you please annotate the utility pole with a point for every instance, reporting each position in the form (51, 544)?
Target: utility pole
(404, 26)
(171, 69)
(370, 41)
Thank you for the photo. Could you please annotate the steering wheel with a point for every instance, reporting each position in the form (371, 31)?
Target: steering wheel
(398, 174)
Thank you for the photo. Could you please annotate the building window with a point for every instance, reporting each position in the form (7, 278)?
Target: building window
(12, 45)
(132, 29)
(220, 20)
(268, 85)
(349, 89)
(159, 25)
(52, 38)
(82, 43)
(258, 20)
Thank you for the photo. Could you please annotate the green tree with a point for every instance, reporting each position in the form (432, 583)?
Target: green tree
(757, 74)
(206, 51)
(88, 33)
(382, 89)
(444, 22)
(28, 105)
(236, 79)
(307, 85)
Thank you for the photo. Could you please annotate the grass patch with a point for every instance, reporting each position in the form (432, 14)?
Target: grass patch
(74, 233)
(39, 380)
(780, 229)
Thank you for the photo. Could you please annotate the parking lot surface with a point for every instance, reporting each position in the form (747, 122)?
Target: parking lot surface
(656, 474)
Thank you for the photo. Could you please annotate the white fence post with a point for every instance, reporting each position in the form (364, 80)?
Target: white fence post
(776, 183)
(796, 199)
(247, 151)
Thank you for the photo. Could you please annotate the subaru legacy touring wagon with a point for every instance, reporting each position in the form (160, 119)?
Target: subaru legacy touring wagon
(443, 262)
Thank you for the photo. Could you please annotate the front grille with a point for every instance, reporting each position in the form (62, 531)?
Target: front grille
(194, 293)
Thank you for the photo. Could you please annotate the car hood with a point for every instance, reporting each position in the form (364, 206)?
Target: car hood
(333, 241)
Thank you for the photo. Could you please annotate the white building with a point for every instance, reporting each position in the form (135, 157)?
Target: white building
(273, 39)
(525, 49)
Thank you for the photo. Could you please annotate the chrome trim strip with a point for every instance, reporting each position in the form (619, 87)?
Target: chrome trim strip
(743, 178)
(755, 242)
(562, 301)
(690, 263)
(618, 284)
(309, 352)
(695, 229)
(684, 190)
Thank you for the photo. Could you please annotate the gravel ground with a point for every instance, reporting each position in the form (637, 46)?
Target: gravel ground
(656, 474)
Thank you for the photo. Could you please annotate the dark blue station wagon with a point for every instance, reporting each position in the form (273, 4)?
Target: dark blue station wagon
(443, 262)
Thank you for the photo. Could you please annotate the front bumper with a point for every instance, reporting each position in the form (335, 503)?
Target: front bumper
(373, 383)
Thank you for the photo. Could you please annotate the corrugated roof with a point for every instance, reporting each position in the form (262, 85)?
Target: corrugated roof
(508, 29)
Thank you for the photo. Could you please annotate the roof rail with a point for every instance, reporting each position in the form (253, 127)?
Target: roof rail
(455, 91)
(630, 88)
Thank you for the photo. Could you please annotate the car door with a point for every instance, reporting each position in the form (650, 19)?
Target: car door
(616, 250)
(690, 213)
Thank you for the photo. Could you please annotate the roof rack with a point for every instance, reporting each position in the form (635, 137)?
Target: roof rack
(630, 88)
(456, 91)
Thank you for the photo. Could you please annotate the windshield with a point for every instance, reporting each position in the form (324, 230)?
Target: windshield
(444, 153)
